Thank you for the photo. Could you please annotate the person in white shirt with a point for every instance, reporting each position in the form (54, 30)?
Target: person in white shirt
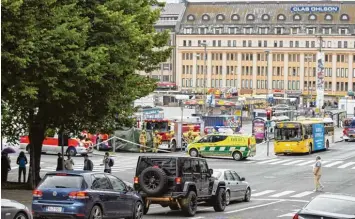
(69, 163)
(317, 171)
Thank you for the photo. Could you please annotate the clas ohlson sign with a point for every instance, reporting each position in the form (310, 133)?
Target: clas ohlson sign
(315, 9)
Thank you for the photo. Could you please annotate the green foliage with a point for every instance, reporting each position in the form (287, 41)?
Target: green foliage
(72, 64)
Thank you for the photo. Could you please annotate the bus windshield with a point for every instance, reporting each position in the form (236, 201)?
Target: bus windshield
(288, 134)
(158, 126)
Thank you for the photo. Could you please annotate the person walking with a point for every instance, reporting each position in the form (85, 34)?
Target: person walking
(69, 163)
(107, 162)
(21, 162)
(59, 162)
(143, 141)
(5, 166)
(88, 165)
(156, 142)
(317, 171)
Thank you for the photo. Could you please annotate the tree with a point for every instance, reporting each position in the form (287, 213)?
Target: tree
(69, 65)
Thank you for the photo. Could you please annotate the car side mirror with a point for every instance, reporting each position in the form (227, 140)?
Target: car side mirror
(242, 179)
(306, 137)
(130, 189)
(210, 171)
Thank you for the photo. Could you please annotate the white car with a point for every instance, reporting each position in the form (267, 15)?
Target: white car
(236, 187)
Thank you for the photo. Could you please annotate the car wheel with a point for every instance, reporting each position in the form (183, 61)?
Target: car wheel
(174, 207)
(228, 197)
(189, 204)
(153, 181)
(138, 211)
(71, 151)
(220, 200)
(237, 156)
(96, 213)
(173, 146)
(20, 215)
(193, 153)
(247, 195)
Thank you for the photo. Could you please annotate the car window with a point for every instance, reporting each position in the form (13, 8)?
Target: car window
(187, 167)
(59, 181)
(217, 174)
(100, 182)
(332, 205)
(203, 166)
(218, 138)
(228, 176)
(236, 176)
(203, 140)
(116, 183)
(195, 166)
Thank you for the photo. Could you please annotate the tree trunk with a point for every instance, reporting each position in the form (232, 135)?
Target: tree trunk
(37, 135)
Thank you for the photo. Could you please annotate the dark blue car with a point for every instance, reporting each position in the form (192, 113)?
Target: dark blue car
(80, 194)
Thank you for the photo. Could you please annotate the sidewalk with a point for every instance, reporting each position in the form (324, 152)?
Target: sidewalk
(22, 196)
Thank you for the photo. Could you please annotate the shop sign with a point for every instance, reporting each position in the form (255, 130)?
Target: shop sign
(315, 9)
(293, 93)
(278, 93)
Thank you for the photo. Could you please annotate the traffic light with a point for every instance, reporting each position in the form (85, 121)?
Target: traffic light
(268, 115)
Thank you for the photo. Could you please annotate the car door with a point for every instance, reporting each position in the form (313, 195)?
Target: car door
(241, 186)
(123, 199)
(219, 145)
(206, 148)
(205, 179)
(102, 189)
(231, 184)
(196, 176)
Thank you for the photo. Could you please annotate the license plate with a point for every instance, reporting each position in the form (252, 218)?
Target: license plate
(54, 209)
(287, 150)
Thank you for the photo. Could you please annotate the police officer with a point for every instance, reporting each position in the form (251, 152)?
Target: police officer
(143, 142)
(190, 136)
(156, 141)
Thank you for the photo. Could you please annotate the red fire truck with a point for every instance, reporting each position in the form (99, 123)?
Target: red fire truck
(164, 128)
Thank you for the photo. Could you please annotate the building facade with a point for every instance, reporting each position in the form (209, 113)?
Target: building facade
(267, 47)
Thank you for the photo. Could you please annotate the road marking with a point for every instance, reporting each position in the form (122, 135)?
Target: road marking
(284, 199)
(281, 194)
(302, 194)
(268, 161)
(262, 193)
(333, 164)
(281, 161)
(323, 162)
(294, 162)
(346, 165)
(252, 207)
(305, 163)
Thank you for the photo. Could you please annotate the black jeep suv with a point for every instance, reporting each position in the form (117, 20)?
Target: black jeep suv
(178, 182)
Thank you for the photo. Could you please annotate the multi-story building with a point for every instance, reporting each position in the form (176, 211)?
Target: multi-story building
(170, 18)
(267, 47)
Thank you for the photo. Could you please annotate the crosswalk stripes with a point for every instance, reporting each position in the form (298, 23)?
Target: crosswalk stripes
(279, 162)
(333, 164)
(302, 194)
(262, 193)
(305, 163)
(281, 194)
(346, 165)
(293, 162)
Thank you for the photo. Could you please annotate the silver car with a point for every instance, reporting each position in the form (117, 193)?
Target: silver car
(14, 210)
(237, 188)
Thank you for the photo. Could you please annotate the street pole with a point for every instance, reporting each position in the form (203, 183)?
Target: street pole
(182, 123)
(204, 44)
(62, 145)
(267, 94)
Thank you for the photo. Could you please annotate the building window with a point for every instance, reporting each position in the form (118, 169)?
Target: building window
(344, 17)
(263, 30)
(297, 17)
(312, 17)
(188, 30)
(328, 17)
(232, 30)
(202, 30)
(250, 17)
(265, 43)
(291, 44)
(244, 43)
(343, 30)
(281, 17)
(235, 17)
(279, 30)
(329, 44)
(345, 44)
(218, 30)
(265, 17)
(205, 17)
(220, 17)
(190, 17)
(313, 44)
(295, 30)
(249, 43)
(307, 44)
(339, 44)
(311, 30)
(327, 30)
(248, 30)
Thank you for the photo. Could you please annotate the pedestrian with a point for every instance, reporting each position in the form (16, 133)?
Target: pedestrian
(107, 162)
(142, 142)
(5, 166)
(317, 171)
(88, 165)
(59, 162)
(156, 142)
(21, 161)
(68, 164)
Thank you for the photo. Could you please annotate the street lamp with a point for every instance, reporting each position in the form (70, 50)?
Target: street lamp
(204, 44)
(308, 58)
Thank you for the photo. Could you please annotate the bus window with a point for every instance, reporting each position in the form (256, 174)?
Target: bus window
(288, 134)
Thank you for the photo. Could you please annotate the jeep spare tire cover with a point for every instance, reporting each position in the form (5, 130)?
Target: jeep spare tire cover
(153, 181)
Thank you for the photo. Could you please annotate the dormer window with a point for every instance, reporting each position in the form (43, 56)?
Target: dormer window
(312, 17)
(188, 30)
(281, 17)
(220, 17)
(202, 30)
(344, 17)
(190, 17)
(279, 30)
(235, 17)
(205, 17)
(248, 30)
(297, 17)
(233, 30)
(295, 30)
(218, 30)
(311, 30)
(327, 30)
(263, 30)
(328, 17)
(265, 17)
(250, 17)
(343, 31)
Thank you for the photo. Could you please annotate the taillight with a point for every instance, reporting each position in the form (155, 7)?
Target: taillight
(296, 216)
(61, 174)
(78, 195)
(177, 180)
(37, 193)
(136, 180)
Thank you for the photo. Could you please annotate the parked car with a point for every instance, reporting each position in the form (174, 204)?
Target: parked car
(87, 195)
(11, 209)
(236, 187)
(179, 183)
(328, 206)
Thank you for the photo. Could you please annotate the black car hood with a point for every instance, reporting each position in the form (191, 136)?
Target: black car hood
(326, 215)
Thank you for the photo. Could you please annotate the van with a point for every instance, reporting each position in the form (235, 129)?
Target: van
(237, 146)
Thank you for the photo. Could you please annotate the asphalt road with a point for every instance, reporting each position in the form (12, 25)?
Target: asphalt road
(280, 184)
